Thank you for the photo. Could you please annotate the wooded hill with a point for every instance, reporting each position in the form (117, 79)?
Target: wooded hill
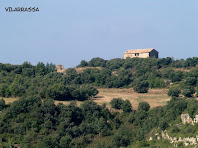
(34, 120)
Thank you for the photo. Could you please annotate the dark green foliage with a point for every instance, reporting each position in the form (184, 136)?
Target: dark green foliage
(97, 62)
(188, 91)
(114, 63)
(191, 62)
(140, 85)
(35, 121)
(189, 129)
(43, 81)
(64, 126)
(163, 124)
(102, 144)
(122, 138)
(117, 103)
(2, 104)
(174, 92)
(4, 91)
(46, 142)
(192, 108)
(190, 81)
(83, 63)
(132, 116)
(143, 144)
(65, 142)
(166, 61)
(140, 117)
(174, 108)
(143, 106)
(126, 106)
(175, 129)
(167, 73)
(140, 134)
(142, 74)
(156, 82)
(42, 70)
(176, 76)
(60, 92)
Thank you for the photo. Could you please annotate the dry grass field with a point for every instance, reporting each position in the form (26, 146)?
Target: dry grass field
(9, 100)
(155, 97)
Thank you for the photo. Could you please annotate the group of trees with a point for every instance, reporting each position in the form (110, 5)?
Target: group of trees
(131, 62)
(35, 121)
(186, 87)
(118, 103)
(42, 81)
(31, 122)
(142, 74)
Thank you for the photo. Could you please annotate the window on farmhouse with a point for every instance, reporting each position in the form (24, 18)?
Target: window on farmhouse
(136, 54)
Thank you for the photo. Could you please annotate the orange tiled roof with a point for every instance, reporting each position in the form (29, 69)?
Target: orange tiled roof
(139, 50)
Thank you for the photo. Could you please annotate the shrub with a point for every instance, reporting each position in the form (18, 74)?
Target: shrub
(65, 142)
(140, 134)
(97, 62)
(175, 129)
(192, 107)
(143, 106)
(83, 63)
(2, 104)
(188, 91)
(126, 106)
(122, 138)
(116, 103)
(141, 86)
(143, 144)
(163, 125)
(191, 81)
(174, 92)
(131, 118)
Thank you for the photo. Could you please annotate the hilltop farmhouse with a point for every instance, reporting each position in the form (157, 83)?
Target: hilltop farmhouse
(141, 53)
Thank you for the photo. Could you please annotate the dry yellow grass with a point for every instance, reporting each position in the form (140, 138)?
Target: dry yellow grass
(182, 69)
(155, 97)
(9, 100)
(79, 69)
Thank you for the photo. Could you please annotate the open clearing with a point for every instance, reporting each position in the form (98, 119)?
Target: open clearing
(155, 97)
(9, 100)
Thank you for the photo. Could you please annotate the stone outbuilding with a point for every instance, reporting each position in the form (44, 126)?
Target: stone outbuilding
(60, 68)
(141, 53)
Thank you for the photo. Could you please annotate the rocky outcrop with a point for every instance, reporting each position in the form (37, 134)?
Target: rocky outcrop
(186, 119)
(195, 119)
(186, 141)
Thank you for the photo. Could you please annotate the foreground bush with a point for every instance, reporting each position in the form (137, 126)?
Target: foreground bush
(117, 103)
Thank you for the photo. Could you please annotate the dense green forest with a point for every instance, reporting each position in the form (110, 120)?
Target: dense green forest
(31, 122)
(141, 74)
(35, 121)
